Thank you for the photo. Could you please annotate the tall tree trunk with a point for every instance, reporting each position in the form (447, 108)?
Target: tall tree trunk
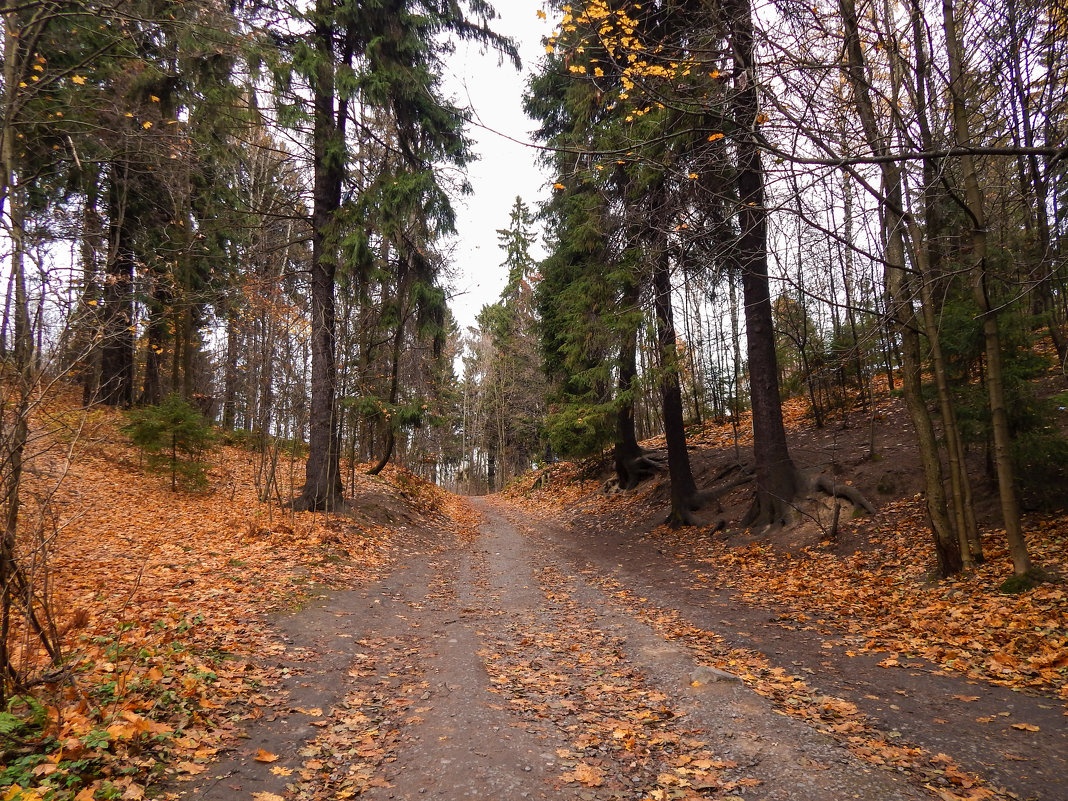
(683, 486)
(117, 349)
(928, 262)
(1021, 560)
(230, 372)
(152, 389)
(627, 452)
(777, 479)
(322, 487)
(900, 301)
(88, 355)
(388, 424)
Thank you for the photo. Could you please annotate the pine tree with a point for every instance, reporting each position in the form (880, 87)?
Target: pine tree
(383, 59)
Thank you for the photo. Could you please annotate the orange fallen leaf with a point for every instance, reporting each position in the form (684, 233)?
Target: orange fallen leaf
(265, 756)
(1025, 726)
(266, 797)
(278, 771)
(588, 775)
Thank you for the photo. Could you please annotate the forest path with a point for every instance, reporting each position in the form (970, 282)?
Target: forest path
(508, 667)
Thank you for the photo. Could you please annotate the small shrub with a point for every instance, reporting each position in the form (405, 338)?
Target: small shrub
(174, 437)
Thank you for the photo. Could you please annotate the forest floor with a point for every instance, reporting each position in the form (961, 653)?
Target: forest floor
(550, 643)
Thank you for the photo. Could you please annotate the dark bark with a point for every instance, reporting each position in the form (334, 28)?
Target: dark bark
(394, 388)
(117, 349)
(230, 373)
(777, 480)
(152, 387)
(322, 487)
(92, 244)
(627, 452)
(900, 294)
(683, 486)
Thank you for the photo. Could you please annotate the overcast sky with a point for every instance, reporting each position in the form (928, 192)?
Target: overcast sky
(505, 169)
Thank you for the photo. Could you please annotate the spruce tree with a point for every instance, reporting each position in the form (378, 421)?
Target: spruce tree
(363, 61)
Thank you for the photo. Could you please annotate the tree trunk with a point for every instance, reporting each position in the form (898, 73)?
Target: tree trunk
(899, 300)
(322, 487)
(394, 387)
(1021, 560)
(230, 373)
(627, 451)
(777, 480)
(117, 349)
(152, 392)
(683, 487)
(928, 262)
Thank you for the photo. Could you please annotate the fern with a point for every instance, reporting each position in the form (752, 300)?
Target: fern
(9, 724)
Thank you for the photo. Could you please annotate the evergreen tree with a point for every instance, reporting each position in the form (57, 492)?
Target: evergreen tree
(361, 61)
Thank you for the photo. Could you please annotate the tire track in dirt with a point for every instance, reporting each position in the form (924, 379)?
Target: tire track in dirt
(489, 669)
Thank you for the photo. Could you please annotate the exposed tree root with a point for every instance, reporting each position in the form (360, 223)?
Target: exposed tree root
(709, 499)
(779, 509)
(638, 469)
(334, 504)
(847, 491)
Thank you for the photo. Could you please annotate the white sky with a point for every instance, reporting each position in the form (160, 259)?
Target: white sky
(505, 169)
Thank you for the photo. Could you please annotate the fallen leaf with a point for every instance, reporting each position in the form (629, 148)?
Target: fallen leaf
(1025, 726)
(265, 756)
(279, 771)
(588, 775)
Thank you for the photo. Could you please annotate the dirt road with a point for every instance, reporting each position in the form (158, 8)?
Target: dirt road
(514, 667)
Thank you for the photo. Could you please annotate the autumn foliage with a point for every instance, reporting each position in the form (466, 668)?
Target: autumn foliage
(162, 600)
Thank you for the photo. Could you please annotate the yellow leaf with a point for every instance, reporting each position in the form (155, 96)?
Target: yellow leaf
(266, 797)
(1025, 726)
(78, 79)
(715, 136)
(589, 775)
(265, 756)
(541, 14)
(153, 98)
(559, 186)
(146, 124)
(277, 771)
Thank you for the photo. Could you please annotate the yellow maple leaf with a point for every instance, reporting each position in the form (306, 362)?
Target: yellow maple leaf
(78, 79)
